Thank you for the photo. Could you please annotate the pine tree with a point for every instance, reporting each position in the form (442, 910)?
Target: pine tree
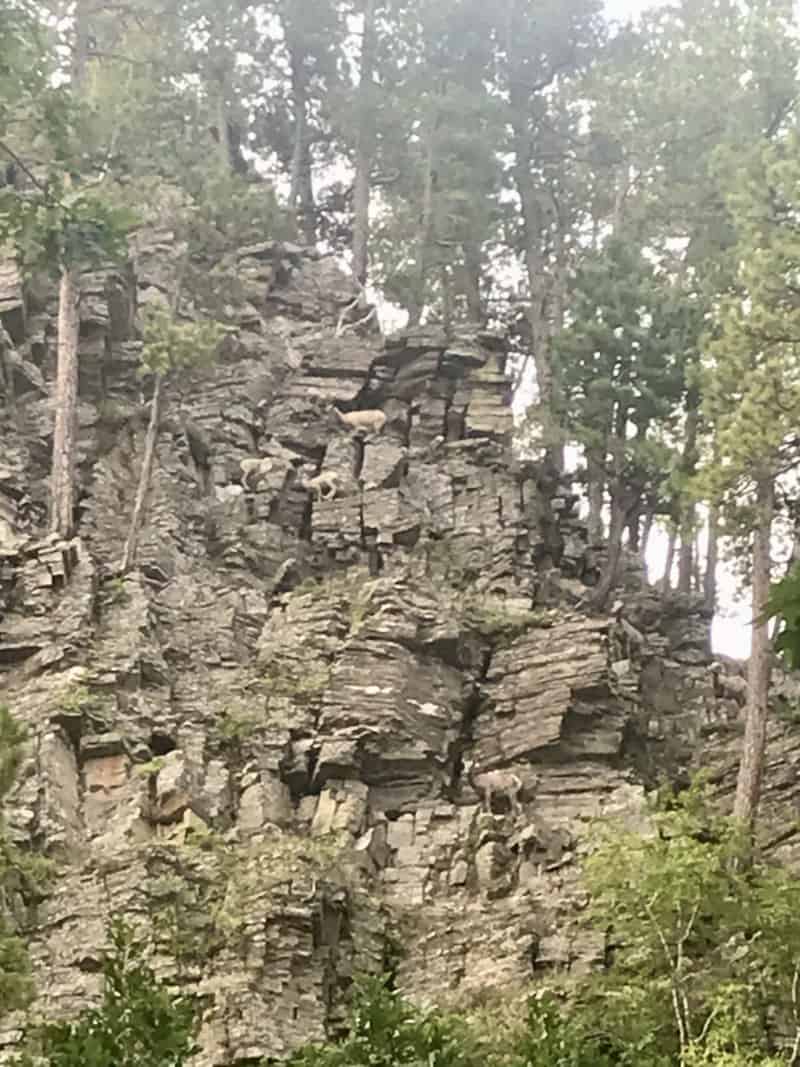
(752, 398)
(620, 364)
(171, 347)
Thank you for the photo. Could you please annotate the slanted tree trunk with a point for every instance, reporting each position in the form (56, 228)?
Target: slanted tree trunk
(62, 488)
(712, 553)
(595, 476)
(751, 766)
(145, 477)
(364, 149)
(688, 511)
(622, 503)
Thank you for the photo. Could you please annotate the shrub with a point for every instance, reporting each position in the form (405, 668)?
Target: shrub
(139, 1023)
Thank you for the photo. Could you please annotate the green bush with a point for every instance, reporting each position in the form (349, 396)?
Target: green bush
(387, 1031)
(139, 1023)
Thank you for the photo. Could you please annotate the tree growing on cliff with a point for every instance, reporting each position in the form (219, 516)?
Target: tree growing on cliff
(171, 347)
(752, 398)
(364, 143)
(60, 221)
(541, 46)
(70, 229)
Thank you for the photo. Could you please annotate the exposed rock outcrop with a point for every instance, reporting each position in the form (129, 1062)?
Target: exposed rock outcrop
(253, 745)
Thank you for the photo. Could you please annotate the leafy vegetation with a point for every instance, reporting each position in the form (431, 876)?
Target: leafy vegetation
(704, 968)
(784, 605)
(139, 1022)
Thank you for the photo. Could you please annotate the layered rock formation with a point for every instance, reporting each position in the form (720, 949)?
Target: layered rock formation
(253, 745)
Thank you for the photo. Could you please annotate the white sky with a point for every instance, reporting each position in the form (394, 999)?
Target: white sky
(622, 9)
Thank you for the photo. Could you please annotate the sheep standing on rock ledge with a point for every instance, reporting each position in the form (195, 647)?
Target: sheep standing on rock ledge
(371, 421)
(324, 486)
(254, 471)
(490, 783)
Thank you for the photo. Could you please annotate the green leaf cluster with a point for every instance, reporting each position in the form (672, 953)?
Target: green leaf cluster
(171, 345)
(56, 228)
(387, 1031)
(139, 1022)
(784, 605)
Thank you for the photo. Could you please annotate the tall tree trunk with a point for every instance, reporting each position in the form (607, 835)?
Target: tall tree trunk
(301, 192)
(647, 529)
(751, 766)
(595, 475)
(65, 427)
(535, 266)
(218, 89)
(685, 558)
(425, 231)
(230, 135)
(666, 580)
(712, 552)
(62, 489)
(634, 529)
(635, 513)
(145, 476)
(697, 569)
(472, 281)
(447, 299)
(364, 149)
(688, 512)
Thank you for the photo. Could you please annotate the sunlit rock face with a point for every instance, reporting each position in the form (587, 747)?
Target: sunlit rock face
(253, 744)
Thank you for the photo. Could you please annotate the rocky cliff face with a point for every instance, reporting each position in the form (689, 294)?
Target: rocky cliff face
(254, 746)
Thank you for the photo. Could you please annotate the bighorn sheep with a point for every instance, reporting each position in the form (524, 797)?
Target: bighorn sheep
(254, 470)
(371, 421)
(324, 486)
(490, 783)
(728, 686)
